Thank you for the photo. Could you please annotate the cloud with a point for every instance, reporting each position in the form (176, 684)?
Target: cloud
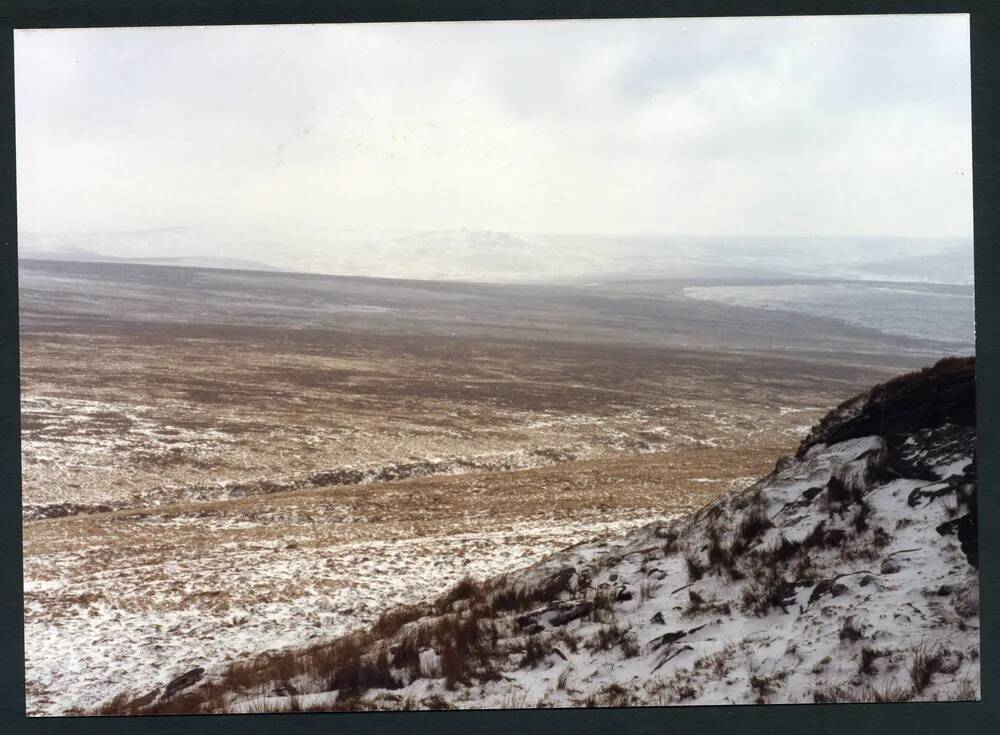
(806, 126)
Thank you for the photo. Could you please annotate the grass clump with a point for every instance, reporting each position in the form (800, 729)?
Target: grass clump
(850, 630)
(752, 525)
(767, 592)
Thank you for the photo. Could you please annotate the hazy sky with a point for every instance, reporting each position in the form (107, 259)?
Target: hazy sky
(799, 126)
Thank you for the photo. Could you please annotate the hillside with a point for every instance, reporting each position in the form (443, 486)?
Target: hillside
(846, 574)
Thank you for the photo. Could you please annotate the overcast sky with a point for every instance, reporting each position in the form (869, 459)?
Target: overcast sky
(797, 126)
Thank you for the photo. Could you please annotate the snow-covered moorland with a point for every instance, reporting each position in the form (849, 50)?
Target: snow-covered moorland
(847, 574)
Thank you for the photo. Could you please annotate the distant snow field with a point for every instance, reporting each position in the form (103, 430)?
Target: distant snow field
(935, 312)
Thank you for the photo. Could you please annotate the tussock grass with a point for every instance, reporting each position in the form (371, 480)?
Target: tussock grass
(927, 660)
(535, 651)
(606, 637)
(698, 605)
(694, 565)
(850, 630)
(751, 526)
(764, 685)
(965, 691)
(781, 550)
(861, 695)
(611, 695)
(768, 591)
(868, 657)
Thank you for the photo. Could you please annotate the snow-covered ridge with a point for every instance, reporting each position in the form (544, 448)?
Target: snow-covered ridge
(847, 574)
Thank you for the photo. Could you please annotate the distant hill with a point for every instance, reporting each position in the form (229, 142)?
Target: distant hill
(80, 255)
(498, 257)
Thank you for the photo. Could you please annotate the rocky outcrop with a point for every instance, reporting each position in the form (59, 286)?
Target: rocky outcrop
(182, 682)
(939, 400)
(926, 399)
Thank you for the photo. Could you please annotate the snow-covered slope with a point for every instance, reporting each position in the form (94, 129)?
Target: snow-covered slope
(847, 574)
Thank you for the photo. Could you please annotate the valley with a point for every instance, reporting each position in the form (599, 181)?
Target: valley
(211, 462)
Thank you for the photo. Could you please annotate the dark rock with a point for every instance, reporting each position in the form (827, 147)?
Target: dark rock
(686, 692)
(566, 616)
(827, 587)
(929, 398)
(897, 466)
(944, 590)
(672, 637)
(658, 619)
(837, 492)
(950, 661)
(966, 527)
(146, 699)
(184, 681)
(786, 594)
(808, 496)
(563, 579)
(968, 536)
(834, 537)
(890, 566)
(811, 493)
(942, 488)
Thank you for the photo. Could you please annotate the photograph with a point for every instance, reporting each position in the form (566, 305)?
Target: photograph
(497, 365)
